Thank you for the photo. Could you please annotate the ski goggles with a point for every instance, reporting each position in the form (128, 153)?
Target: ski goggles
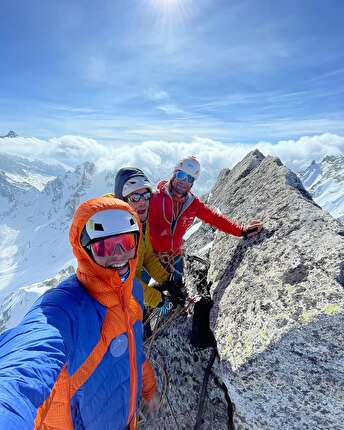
(182, 176)
(111, 245)
(136, 197)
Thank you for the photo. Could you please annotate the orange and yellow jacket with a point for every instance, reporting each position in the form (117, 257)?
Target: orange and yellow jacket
(76, 361)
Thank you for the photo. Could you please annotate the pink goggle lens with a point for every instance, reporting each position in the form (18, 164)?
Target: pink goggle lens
(107, 247)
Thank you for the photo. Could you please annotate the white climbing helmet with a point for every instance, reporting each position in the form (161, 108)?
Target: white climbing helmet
(108, 223)
(189, 165)
(136, 183)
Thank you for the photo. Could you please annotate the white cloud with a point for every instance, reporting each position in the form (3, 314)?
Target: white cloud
(75, 149)
(158, 157)
(71, 150)
(157, 95)
(297, 154)
(170, 109)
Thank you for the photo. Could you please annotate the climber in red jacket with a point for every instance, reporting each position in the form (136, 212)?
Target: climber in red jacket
(174, 207)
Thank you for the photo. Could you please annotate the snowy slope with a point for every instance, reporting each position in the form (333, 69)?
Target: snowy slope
(34, 227)
(325, 181)
(22, 173)
(16, 304)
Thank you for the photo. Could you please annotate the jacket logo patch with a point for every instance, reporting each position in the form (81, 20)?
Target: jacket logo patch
(119, 345)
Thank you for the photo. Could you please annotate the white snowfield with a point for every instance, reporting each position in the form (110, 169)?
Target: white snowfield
(325, 181)
(34, 225)
(35, 216)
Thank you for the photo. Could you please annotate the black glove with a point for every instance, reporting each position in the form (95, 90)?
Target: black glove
(175, 293)
(246, 231)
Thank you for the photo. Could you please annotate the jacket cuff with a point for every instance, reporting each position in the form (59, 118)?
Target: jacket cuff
(152, 297)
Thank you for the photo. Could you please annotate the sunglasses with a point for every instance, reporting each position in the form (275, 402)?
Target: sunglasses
(136, 197)
(182, 176)
(109, 246)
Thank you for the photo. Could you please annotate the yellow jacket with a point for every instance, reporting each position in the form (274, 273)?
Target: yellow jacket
(147, 259)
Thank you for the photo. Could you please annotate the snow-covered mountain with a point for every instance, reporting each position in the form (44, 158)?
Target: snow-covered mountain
(19, 173)
(325, 181)
(38, 200)
(34, 226)
(15, 305)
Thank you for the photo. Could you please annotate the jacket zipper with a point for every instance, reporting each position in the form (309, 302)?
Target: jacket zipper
(183, 209)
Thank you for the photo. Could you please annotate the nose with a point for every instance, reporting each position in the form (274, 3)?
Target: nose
(142, 202)
(118, 250)
(182, 181)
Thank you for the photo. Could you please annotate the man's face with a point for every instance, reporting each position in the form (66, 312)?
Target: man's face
(181, 183)
(115, 252)
(139, 202)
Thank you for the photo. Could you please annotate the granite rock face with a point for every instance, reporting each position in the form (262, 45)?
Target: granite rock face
(278, 301)
(278, 306)
(185, 366)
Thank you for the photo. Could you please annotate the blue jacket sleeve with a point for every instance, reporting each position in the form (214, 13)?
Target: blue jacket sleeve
(32, 356)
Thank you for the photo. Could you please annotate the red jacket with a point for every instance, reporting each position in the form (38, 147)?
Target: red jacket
(166, 236)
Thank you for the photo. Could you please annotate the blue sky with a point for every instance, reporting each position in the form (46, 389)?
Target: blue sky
(134, 70)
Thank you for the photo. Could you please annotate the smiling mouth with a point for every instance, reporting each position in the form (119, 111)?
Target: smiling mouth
(117, 265)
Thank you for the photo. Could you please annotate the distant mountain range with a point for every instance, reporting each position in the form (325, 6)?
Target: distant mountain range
(38, 200)
(325, 182)
(34, 220)
(20, 173)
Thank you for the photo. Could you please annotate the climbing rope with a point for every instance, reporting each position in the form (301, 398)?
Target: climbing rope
(200, 408)
(169, 262)
(198, 277)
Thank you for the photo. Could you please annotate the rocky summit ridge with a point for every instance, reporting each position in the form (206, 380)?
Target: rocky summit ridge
(277, 314)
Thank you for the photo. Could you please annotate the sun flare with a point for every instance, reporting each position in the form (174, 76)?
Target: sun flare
(179, 9)
(166, 3)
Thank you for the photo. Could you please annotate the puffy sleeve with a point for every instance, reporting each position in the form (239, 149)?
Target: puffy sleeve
(152, 296)
(32, 356)
(221, 222)
(152, 263)
(148, 381)
(154, 217)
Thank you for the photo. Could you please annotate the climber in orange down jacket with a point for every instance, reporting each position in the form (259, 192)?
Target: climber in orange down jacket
(76, 361)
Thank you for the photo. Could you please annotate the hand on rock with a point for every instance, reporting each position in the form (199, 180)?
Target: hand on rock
(151, 407)
(254, 228)
(176, 295)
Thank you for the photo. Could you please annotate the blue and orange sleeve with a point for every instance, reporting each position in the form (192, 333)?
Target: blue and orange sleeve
(32, 356)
